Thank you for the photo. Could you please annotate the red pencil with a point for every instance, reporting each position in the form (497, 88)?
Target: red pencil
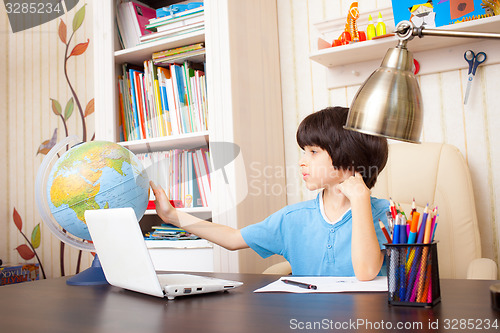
(384, 230)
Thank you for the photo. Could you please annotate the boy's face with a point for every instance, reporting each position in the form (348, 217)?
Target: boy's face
(318, 171)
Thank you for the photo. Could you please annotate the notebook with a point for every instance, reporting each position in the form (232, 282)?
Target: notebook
(126, 263)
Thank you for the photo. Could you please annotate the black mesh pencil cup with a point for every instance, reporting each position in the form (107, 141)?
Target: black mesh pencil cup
(413, 274)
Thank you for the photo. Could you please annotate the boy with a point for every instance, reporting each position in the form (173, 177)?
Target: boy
(335, 234)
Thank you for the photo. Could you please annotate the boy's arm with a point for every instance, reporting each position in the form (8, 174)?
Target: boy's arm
(367, 258)
(222, 235)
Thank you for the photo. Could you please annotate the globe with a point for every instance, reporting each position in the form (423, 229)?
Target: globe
(90, 175)
(95, 175)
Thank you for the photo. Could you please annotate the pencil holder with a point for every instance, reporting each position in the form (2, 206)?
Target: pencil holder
(413, 274)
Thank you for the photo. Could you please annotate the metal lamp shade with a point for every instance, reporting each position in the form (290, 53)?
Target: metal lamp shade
(389, 102)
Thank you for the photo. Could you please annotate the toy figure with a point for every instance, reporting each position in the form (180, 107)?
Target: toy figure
(351, 33)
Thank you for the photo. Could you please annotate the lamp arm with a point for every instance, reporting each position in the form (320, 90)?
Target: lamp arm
(420, 32)
(405, 30)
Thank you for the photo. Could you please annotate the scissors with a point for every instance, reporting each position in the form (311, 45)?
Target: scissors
(474, 60)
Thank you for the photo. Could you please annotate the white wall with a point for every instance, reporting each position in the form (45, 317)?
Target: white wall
(473, 129)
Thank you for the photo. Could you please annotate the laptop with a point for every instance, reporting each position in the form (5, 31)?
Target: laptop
(126, 263)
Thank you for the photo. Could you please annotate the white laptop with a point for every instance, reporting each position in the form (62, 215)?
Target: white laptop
(126, 263)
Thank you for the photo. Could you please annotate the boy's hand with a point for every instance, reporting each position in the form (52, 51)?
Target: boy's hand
(163, 207)
(354, 187)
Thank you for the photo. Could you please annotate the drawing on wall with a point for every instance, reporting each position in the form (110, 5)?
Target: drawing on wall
(441, 12)
(25, 251)
(28, 252)
(423, 14)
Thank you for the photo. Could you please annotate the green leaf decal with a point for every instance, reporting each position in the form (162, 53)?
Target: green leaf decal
(56, 107)
(36, 236)
(68, 110)
(78, 19)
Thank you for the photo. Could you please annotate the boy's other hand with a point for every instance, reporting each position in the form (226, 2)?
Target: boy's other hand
(354, 187)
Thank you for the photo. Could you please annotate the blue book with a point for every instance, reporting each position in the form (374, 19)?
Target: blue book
(134, 102)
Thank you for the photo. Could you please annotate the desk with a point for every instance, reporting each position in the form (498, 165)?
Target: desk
(52, 306)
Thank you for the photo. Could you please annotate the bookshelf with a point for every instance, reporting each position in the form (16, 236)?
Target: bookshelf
(244, 102)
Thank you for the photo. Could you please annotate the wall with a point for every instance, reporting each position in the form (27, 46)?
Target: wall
(32, 73)
(474, 129)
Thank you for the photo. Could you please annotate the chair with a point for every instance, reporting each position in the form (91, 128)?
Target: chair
(437, 174)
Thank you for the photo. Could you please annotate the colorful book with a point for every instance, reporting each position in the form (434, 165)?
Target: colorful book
(178, 50)
(159, 21)
(132, 18)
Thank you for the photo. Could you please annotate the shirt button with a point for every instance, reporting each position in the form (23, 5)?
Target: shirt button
(329, 246)
(332, 230)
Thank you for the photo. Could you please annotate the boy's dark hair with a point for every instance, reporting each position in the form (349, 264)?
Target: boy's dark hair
(366, 154)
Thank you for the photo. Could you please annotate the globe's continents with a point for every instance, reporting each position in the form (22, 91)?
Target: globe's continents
(95, 175)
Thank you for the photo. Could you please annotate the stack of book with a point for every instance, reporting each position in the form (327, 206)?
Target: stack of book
(157, 101)
(131, 19)
(184, 174)
(183, 52)
(169, 232)
(175, 24)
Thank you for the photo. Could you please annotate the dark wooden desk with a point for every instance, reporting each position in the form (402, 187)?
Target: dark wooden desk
(52, 306)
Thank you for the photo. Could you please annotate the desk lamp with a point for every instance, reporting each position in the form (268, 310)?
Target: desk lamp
(389, 102)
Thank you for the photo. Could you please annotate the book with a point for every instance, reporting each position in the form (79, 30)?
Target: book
(179, 172)
(194, 31)
(177, 50)
(158, 21)
(132, 18)
(172, 32)
(178, 57)
(183, 23)
(158, 101)
(10, 274)
(166, 23)
(178, 9)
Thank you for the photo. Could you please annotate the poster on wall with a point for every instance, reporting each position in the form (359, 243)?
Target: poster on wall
(437, 13)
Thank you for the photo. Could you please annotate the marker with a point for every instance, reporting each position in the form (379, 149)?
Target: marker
(413, 228)
(300, 284)
(403, 237)
(397, 232)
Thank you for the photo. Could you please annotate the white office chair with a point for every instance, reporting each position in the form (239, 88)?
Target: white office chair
(437, 174)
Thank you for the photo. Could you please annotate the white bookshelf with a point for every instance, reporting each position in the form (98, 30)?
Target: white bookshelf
(244, 102)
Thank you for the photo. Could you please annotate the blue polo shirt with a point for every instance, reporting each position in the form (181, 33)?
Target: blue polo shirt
(312, 245)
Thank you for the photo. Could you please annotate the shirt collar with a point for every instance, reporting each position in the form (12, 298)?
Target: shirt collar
(322, 210)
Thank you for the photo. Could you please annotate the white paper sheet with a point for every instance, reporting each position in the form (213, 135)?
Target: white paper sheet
(326, 284)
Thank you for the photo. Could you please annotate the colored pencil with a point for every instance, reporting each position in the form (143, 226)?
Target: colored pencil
(384, 230)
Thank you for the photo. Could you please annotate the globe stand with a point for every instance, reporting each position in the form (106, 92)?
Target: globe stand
(92, 276)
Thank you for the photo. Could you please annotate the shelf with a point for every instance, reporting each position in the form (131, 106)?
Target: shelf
(352, 64)
(194, 211)
(183, 141)
(136, 55)
(178, 244)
